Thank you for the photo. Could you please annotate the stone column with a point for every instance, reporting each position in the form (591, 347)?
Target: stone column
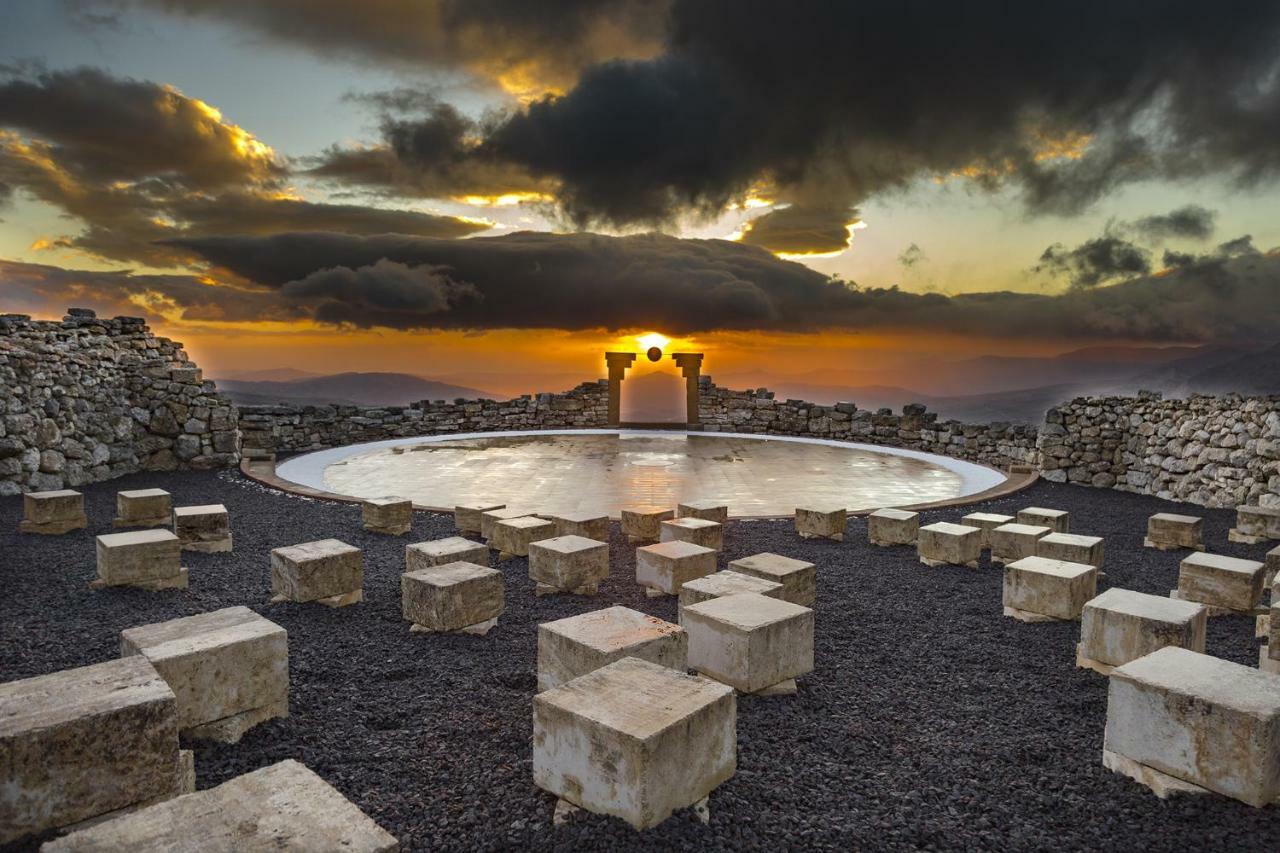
(617, 362)
(690, 364)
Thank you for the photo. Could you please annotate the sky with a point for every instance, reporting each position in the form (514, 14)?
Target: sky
(483, 188)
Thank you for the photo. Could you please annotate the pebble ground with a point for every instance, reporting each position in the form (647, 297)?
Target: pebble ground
(930, 723)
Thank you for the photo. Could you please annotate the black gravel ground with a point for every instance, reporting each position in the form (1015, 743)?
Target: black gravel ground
(931, 721)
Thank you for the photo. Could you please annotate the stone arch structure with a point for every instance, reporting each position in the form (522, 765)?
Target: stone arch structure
(690, 364)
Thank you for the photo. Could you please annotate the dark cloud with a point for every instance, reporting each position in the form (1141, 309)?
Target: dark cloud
(1240, 247)
(1101, 260)
(801, 230)
(1192, 222)
(384, 293)
(911, 256)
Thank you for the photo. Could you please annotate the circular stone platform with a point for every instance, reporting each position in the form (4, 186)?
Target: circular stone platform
(606, 470)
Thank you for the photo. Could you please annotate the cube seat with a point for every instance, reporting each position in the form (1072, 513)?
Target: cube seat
(698, 531)
(228, 669)
(945, 544)
(284, 806)
(1072, 548)
(576, 645)
(749, 641)
(798, 578)
(1226, 584)
(149, 559)
(466, 517)
(513, 536)
(52, 513)
(390, 515)
(1057, 520)
(438, 552)
(143, 508)
(455, 596)
(1121, 625)
(634, 740)
(1255, 525)
(1012, 542)
(725, 583)
(824, 521)
(491, 517)
(890, 526)
(710, 510)
(643, 524)
(1206, 722)
(1168, 531)
(1037, 589)
(205, 529)
(588, 524)
(87, 742)
(327, 571)
(1271, 571)
(570, 563)
(986, 522)
(664, 568)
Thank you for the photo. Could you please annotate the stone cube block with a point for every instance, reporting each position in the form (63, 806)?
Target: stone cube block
(52, 513)
(667, 566)
(86, 742)
(1271, 571)
(144, 558)
(798, 578)
(327, 571)
(1200, 719)
(1057, 520)
(1012, 542)
(205, 528)
(586, 523)
(491, 517)
(1121, 625)
(821, 522)
(634, 740)
(725, 583)
(1255, 524)
(466, 517)
(143, 508)
(438, 552)
(749, 641)
(568, 648)
(512, 537)
(284, 806)
(568, 564)
(1223, 583)
(390, 515)
(893, 527)
(1071, 548)
(710, 510)
(945, 544)
(455, 596)
(1037, 589)
(644, 525)
(986, 522)
(698, 531)
(1167, 531)
(228, 669)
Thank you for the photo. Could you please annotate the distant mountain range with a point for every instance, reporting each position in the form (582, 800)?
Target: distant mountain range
(362, 389)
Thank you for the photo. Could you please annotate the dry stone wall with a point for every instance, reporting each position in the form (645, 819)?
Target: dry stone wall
(87, 399)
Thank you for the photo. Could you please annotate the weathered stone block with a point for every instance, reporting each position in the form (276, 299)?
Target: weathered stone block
(946, 544)
(893, 527)
(667, 566)
(821, 522)
(644, 525)
(1255, 524)
(568, 564)
(1121, 625)
(634, 740)
(1037, 589)
(390, 515)
(206, 528)
(798, 578)
(697, 531)
(568, 648)
(438, 552)
(586, 523)
(1166, 531)
(230, 663)
(1272, 571)
(52, 513)
(328, 571)
(281, 807)
(1223, 583)
(749, 641)
(1200, 719)
(86, 742)
(725, 583)
(143, 508)
(455, 596)
(1072, 548)
(142, 558)
(986, 522)
(512, 537)
(1012, 542)
(709, 510)
(466, 517)
(1057, 520)
(491, 517)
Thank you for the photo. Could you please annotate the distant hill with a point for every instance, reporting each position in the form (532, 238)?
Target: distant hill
(1253, 373)
(362, 389)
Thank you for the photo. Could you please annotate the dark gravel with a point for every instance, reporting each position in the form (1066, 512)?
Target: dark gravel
(931, 721)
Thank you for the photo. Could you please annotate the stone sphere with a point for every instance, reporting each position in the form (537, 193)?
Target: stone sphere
(654, 353)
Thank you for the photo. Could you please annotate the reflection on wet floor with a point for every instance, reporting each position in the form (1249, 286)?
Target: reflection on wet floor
(603, 473)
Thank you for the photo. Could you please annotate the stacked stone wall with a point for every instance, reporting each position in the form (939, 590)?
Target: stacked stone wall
(87, 399)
